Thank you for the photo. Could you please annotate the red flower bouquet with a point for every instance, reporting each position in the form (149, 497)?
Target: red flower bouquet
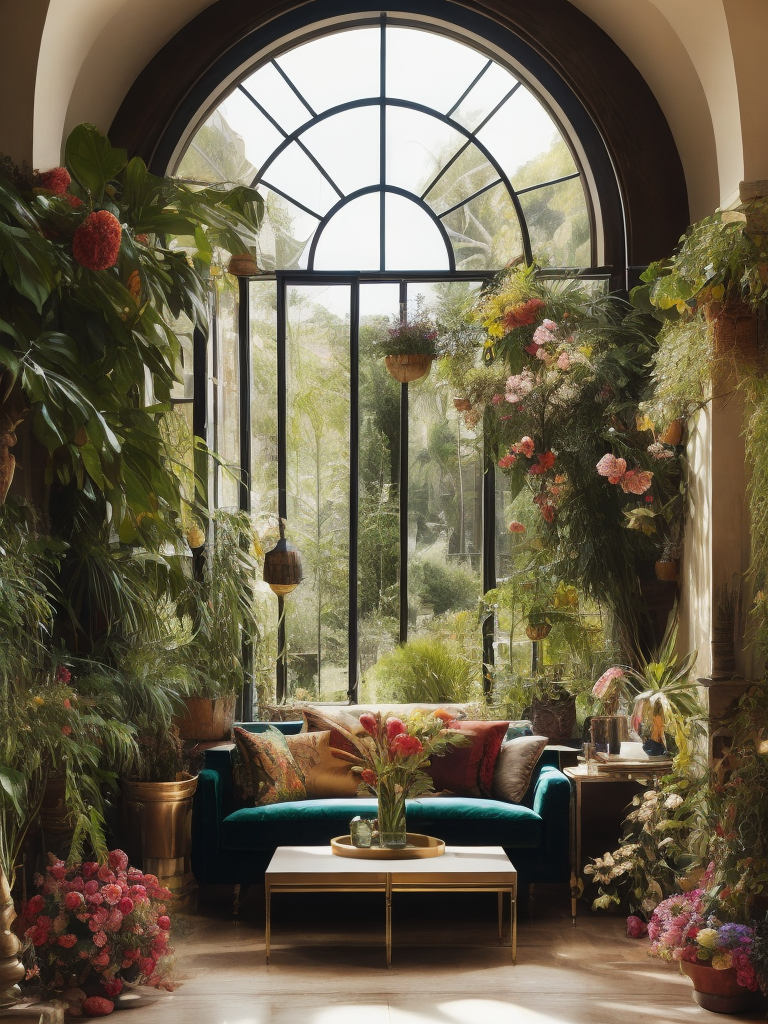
(100, 926)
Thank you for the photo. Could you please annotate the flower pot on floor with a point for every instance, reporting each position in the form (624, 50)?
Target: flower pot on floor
(554, 719)
(719, 991)
(408, 368)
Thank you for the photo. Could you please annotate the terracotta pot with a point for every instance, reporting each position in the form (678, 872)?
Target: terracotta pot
(719, 991)
(157, 819)
(667, 569)
(243, 265)
(673, 434)
(207, 718)
(409, 368)
(538, 630)
(462, 404)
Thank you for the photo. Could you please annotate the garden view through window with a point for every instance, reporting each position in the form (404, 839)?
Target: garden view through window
(400, 169)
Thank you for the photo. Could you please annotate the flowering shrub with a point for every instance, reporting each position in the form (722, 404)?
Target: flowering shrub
(686, 927)
(104, 922)
(417, 336)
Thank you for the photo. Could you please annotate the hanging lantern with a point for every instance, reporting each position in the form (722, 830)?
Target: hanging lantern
(282, 566)
(243, 265)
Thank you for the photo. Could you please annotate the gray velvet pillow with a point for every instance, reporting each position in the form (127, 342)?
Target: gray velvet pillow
(515, 766)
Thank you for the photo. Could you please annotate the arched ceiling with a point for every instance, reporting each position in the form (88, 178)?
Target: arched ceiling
(696, 55)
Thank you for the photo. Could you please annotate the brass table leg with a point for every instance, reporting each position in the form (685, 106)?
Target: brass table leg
(500, 898)
(513, 907)
(268, 928)
(388, 928)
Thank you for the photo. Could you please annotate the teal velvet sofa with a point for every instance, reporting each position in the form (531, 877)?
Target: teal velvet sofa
(232, 845)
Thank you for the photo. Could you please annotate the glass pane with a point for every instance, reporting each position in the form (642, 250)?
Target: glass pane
(523, 132)
(285, 234)
(331, 142)
(263, 298)
(295, 175)
(429, 68)
(489, 91)
(559, 224)
(351, 239)
(378, 494)
(217, 153)
(354, 52)
(269, 87)
(184, 390)
(413, 240)
(485, 232)
(417, 147)
(226, 387)
(317, 612)
(469, 173)
(444, 502)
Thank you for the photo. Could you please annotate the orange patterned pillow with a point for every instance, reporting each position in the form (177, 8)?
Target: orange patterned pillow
(326, 772)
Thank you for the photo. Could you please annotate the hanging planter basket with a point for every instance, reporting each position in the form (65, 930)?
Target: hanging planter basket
(408, 368)
(462, 404)
(538, 630)
(735, 329)
(673, 434)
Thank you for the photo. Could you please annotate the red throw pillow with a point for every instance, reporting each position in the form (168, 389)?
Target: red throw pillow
(468, 770)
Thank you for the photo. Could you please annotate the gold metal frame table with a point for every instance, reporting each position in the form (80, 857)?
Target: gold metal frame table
(460, 869)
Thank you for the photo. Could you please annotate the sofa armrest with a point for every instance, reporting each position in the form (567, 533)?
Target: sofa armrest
(207, 816)
(551, 800)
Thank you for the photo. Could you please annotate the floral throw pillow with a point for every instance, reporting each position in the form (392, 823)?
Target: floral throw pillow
(265, 770)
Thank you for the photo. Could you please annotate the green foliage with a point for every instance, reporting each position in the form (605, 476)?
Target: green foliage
(681, 371)
(100, 426)
(444, 586)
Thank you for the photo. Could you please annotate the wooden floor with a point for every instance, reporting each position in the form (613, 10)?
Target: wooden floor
(328, 966)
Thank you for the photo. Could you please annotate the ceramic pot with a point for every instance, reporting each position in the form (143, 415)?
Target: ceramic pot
(408, 368)
(673, 433)
(719, 991)
(667, 569)
(207, 718)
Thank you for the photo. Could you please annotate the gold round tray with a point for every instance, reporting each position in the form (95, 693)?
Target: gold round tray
(418, 846)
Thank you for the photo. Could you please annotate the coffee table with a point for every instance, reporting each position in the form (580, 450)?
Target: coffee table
(460, 869)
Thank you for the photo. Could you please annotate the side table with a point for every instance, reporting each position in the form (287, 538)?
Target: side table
(598, 806)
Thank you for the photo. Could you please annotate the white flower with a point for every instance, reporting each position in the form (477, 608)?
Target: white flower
(673, 801)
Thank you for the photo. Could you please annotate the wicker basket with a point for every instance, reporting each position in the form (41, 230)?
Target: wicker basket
(408, 368)
(554, 719)
(735, 329)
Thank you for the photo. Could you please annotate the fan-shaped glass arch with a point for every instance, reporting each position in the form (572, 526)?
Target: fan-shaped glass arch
(423, 142)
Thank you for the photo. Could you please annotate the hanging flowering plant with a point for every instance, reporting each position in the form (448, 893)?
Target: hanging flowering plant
(97, 928)
(414, 336)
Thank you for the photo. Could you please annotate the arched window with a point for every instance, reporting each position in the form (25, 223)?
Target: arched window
(401, 167)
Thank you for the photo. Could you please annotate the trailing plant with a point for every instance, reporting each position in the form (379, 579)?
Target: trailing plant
(414, 336)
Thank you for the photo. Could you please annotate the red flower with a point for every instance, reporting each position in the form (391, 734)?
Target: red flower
(35, 905)
(113, 987)
(395, 726)
(164, 922)
(369, 777)
(100, 939)
(636, 929)
(523, 313)
(39, 936)
(111, 893)
(96, 242)
(74, 201)
(147, 966)
(544, 462)
(63, 675)
(125, 906)
(97, 1006)
(142, 239)
(90, 867)
(406, 745)
(68, 941)
(369, 723)
(101, 961)
(67, 703)
(118, 860)
(74, 901)
(66, 730)
(507, 461)
(56, 180)
(515, 527)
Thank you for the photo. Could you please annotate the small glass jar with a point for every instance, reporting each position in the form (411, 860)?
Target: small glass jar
(361, 832)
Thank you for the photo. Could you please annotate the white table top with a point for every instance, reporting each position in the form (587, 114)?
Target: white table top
(477, 861)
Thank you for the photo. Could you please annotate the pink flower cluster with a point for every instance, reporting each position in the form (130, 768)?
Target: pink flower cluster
(631, 481)
(681, 928)
(519, 386)
(103, 918)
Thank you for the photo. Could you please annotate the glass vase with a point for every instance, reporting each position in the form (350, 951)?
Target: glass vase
(391, 797)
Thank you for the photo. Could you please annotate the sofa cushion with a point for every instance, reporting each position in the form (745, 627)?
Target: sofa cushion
(265, 771)
(456, 820)
(514, 767)
(468, 770)
(325, 773)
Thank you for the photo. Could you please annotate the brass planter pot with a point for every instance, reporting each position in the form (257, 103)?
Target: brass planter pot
(157, 818)
(207, 718)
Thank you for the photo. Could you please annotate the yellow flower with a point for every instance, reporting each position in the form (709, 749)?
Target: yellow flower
(722, 961)
(586, 350)
(38, 700)
(707, 938)
(195, 536)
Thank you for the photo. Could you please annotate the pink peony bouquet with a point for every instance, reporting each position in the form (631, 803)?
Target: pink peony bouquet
(686, 927)
(97, 927)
